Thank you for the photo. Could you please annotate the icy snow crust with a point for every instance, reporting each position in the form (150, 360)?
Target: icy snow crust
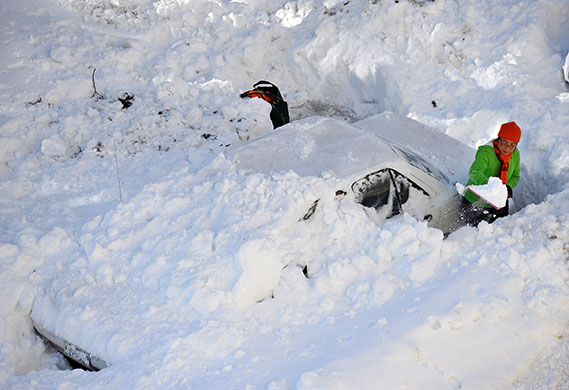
(195, 278)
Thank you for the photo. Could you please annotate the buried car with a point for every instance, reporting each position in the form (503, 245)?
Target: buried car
(73, 352)
(388, 164)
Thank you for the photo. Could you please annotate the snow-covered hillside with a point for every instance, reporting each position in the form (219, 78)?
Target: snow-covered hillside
(124, 225)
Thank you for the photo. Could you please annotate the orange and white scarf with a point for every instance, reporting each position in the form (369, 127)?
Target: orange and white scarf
(504, 161)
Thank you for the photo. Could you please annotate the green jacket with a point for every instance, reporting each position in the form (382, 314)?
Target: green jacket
(486, 165)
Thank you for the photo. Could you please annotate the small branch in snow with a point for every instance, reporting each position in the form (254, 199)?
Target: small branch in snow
(37, 101)
(95, 94)
(117, 170)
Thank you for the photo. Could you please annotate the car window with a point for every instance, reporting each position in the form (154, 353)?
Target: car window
(373, 189)
(390, 193)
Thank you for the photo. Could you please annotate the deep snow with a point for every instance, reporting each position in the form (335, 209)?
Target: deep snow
(129, 229)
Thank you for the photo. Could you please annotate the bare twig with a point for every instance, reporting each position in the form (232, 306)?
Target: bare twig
(95, 94)
(37, 101)
(117, 170)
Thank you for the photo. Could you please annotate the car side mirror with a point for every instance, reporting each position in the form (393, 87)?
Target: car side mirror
(310, 211)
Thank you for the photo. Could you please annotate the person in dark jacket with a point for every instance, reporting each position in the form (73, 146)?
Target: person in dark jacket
(499, 158)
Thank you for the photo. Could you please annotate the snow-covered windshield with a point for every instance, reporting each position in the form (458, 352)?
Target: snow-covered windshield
(422, 164)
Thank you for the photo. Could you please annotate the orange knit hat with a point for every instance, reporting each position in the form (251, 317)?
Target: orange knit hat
(510, 131)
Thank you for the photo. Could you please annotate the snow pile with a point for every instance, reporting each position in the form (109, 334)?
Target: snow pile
(126, 226)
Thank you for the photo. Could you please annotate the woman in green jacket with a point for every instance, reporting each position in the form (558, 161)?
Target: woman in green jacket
(500, 158)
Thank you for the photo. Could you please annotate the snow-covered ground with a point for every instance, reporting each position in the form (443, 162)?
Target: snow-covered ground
(128, 229)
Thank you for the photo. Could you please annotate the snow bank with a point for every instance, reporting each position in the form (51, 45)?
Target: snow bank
(439, 336)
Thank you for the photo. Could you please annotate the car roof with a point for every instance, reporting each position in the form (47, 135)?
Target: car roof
(317, 146)
(440, 150)
(311, 147)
